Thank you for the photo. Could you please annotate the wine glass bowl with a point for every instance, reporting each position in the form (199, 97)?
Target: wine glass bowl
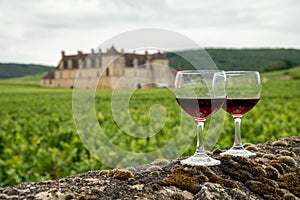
(243, 89)
(200, 93)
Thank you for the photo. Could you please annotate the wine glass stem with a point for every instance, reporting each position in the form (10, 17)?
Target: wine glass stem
(237, 136)
(200, 148)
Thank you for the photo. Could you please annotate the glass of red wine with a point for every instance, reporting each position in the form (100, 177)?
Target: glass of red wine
(200, 93)
(243, 89)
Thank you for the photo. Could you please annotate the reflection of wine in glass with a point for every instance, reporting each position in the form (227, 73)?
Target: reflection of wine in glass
(200, 93)
(243, 90)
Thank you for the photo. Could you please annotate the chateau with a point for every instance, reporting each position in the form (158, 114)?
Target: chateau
(107, 68)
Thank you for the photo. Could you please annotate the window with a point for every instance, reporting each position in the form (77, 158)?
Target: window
(70, 64)
(88, 63)
(80, 63)
(61, 65)
(107, 71)
(97, 64)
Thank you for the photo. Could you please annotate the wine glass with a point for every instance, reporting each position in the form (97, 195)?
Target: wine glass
(243, 89)
(200, 93)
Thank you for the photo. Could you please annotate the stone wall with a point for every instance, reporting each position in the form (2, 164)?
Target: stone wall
(273, 174)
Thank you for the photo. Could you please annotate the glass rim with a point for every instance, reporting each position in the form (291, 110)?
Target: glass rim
(241, 72)
(199, 71)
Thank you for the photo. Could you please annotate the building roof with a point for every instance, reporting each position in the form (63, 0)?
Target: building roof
(159, 55)
(129, 57)
(73, 58)
(49, 75)
(142, 58)
(113, 51)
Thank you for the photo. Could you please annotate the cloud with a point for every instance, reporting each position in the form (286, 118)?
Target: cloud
(36, 30)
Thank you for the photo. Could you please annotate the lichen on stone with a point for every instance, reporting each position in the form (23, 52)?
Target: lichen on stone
(279, 143)
(247, 144)
(290, 196)
(288, 160)
(153, 168)
(268, 181)
(212, 177)
(181, 180)
(202, 178)
(269, 156)
(160, 161)
(291, 182)
(276, 164)
(251, 148)
(259, 154)
(208, 173)
(121, 174)
(177, 196)
(258, 171)
(264, 189)
(272, 172)
(287, 153)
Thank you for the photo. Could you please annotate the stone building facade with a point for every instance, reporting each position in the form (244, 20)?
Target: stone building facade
(108, 68)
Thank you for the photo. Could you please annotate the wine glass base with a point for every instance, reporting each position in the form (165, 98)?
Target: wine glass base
(203, 160)
(239, 152)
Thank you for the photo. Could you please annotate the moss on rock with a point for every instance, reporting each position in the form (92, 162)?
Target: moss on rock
(288, 160)
(121, 174)
(272, 172)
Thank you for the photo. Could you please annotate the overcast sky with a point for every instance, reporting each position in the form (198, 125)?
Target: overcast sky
(35, 31)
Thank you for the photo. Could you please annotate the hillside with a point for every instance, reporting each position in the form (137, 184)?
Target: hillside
(28, 79)
(293, 73)
(241, 59)
(262, 60)
(12, 70)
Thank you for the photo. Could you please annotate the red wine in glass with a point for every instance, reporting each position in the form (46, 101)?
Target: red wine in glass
(200, 93)
(200, 108)
(237, 107)
(243, 90)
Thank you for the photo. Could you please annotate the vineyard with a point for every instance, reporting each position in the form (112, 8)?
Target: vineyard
(39, 140)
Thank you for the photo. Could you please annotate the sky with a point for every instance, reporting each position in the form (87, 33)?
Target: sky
(36, 31)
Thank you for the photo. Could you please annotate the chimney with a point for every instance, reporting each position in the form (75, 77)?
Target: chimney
(92, 51)
(79, 53)
(122, 51)
(62, 54)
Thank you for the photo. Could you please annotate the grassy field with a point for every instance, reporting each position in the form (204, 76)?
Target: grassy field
(29, 79)
(293, 73)
(39, 140)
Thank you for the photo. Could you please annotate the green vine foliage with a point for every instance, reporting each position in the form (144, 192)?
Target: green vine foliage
(39, 140)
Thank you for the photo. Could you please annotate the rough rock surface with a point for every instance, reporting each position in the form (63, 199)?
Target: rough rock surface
(273, 174)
